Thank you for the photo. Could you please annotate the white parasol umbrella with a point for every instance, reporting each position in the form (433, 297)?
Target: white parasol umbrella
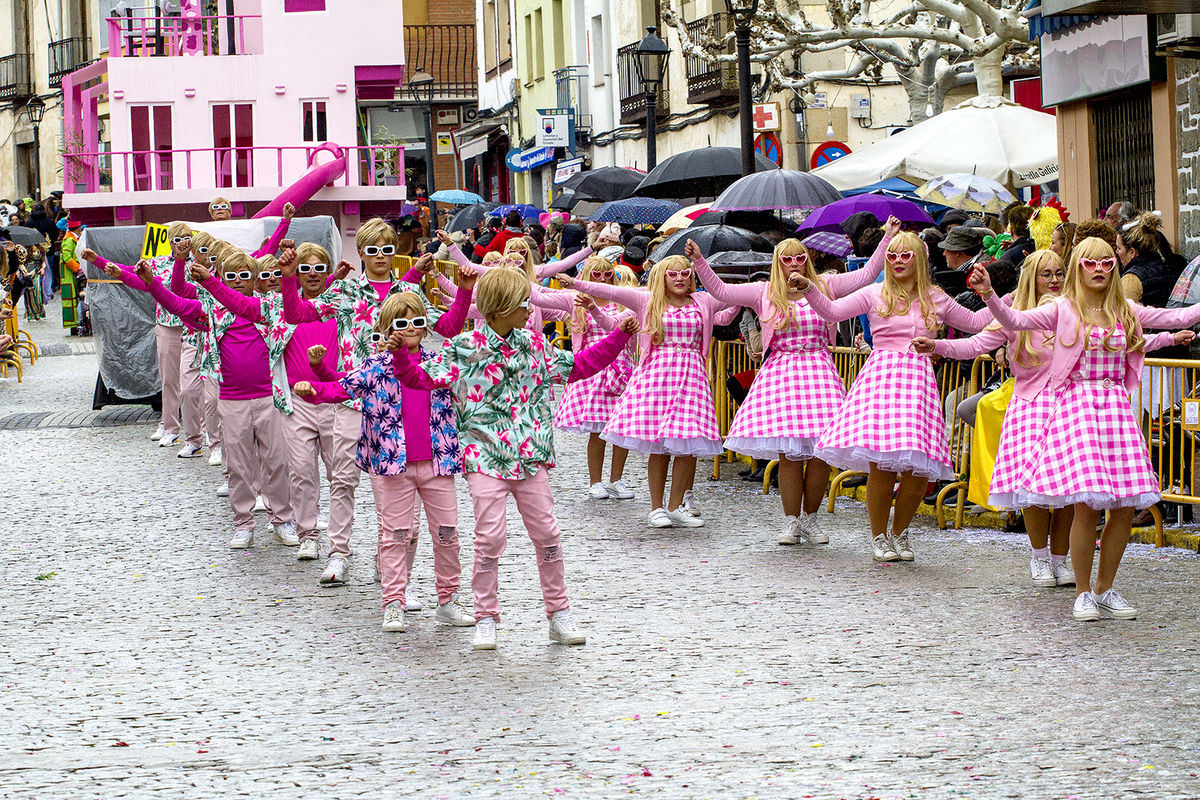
(987, 136)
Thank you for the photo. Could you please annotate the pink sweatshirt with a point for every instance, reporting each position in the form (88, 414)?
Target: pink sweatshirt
(307, 334)
(542, 271)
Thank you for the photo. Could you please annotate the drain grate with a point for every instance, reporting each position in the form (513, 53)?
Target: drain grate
(106, 418)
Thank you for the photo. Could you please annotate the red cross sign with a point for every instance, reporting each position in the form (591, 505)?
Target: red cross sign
(766, 117)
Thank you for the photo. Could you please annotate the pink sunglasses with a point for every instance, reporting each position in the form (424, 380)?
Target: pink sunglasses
(674, 274)
(798, 260)
(1101, 265)
(900, 257)
(602, 276)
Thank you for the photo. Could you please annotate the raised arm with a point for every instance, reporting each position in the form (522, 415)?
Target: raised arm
(970, 347)
(451, 323)
(595, 358)
(297, 310)
(845, 283)
(190, 311)
(273, 243)
(410, 373)
(179, 282)
(1042, 318)
(836, 310)
(742, 294)
(563, 264)
(552, 299)
(635, 299)
(248, 308)
(1167, 317)
(959, 316)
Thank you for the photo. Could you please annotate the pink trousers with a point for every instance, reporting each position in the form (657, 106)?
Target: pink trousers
(395, 502)
(169, 352)
(254, 442)
(308, 436)
(347, 424)
(212, 418)
(191, 395)
(535, 503)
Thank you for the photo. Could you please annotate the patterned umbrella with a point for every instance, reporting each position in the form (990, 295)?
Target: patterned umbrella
(684, 217)
(636, 211)
(835, 244)
(830, 217)
(968, 192)
(775, 190)
(456, 197)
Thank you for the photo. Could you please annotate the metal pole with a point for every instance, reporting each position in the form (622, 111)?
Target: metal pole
(651, 127)
(745, 108)
(37, 163)
(431, 147)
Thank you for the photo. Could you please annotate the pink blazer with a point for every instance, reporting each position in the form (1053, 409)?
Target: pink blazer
(897, 331)
(637, 300)
(1060, 317)
(755, 295)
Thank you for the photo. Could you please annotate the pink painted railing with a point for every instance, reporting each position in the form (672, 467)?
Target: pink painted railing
(222, 168)
(179, 36)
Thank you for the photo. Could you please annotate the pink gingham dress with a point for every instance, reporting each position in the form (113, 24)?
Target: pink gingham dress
(1091, 449)
(588, 405)
(892, 419)
(668, 405)
(795, 395)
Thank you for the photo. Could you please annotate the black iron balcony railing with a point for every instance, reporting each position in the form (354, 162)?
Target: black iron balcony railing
(14, 77)
(571, 85)
(633, 99)
(709, 81)
(447, 52)
(66, 56)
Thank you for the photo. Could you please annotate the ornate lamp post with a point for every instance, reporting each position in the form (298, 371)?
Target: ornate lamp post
(35, 109)
(422, 85)
(650, 61)
(743, 12)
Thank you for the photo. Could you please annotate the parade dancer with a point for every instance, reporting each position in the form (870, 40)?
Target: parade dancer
(409, 446)
(497, 373)
(891, 423)
(192, 380)
(1091, 453)
(797, 392)
(667, 409)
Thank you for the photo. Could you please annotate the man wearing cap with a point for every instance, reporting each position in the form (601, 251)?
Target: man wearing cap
(634, 255)
(963, 246)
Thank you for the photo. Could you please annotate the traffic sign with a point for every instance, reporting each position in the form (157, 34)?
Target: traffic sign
(768, 144)
(829, 151)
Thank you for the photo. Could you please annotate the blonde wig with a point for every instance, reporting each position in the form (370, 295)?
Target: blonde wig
(895, 298)
(1114, 306)
(657, 285)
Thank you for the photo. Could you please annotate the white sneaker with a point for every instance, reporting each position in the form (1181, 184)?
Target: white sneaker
(902, 547)
(215, 457)
(689, 504)
(563, 630)
(242, 540)
(882, 548)
(223, 489)
(617, 491)
(659, 519)
(285, 534)
(259, 503)
(411, 603)
(1064, 574)
(454, 613)
(310, 550)
(812, 529)
(393, 618)
(337, 569)
(1113, 605)
(792, 533)
(190, 451)
(158, 434)
(1085, 608)
(1043, 575)
(323, 521)
(485, 634)
(598, 492)
(682, 519)
(169, 440)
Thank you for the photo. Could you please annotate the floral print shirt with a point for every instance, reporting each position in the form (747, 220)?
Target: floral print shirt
(163, 266)
(381, 449)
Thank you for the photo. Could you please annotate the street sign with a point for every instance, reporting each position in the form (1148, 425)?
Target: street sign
(556, 128)
(524, 160)
(829, 151)
(445, 144)
(766, 116)
(768, 144)
(566, 169)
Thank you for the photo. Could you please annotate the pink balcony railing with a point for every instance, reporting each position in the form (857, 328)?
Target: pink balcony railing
(224, 168)
(182, 36)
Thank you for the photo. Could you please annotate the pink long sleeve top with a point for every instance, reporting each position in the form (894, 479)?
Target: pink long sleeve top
(542, 271)
(538, 315)
(245, 357)
(272, 244)
(897, 331)
(756, 296)
(1069, 337)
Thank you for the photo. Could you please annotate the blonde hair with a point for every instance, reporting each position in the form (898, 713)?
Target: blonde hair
(202, 239)
(216, 200)
(398, 304)
(492, 257)
(657, 284)
(500, 291)
(178, 229)
(307, 250)
(628, 277)
(519, 243)
(268, 262)
(894, 297)
(593, 265)
(219, 250)
(1114, 306)
(781, 308)
(1025, 298)
(375, 232)
(234, 260)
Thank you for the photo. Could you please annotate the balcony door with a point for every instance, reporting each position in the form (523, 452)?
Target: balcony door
(152, 145)
(233, 143)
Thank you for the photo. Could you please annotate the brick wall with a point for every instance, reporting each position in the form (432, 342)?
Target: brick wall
(1187, 109)
(450, 12)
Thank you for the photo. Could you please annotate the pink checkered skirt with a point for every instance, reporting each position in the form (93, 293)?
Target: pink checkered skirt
(1021, 441)
(588, 405)
(1092, 451)
(891, 419)
(668, 405)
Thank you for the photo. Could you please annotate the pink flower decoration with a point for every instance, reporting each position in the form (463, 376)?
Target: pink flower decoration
(470, 452)
(527, 448)
(475, 393)
(493, 373)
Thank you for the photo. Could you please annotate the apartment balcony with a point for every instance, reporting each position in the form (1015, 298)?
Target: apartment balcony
(66, 56)
(132, 36)
(447, 52)
(633, 99)
(710, 81)
(572, 89)
(14, 77)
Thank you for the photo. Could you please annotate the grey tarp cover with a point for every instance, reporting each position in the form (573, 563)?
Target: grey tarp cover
(123, 318)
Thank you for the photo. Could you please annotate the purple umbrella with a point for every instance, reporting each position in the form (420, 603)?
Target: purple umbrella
(829, 218)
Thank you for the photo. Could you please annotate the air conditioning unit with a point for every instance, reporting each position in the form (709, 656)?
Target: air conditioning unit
(470, 114)
(1174, 29)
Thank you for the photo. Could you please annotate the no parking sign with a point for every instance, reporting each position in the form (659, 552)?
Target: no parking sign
(829, 151)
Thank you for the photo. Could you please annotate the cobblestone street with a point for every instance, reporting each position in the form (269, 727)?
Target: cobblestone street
(143, 657)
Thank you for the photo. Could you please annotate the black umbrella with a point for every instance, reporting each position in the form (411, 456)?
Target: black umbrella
(604, 184)
(777, 190)
(470, 217)
(25, 236)
(712, 239)
(699, 173)
(756, 221)
(741, 265)
(565, 201)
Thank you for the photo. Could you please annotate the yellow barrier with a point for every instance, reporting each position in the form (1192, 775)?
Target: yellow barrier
(724, 360)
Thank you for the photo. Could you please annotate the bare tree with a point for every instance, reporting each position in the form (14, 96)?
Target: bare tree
(933, 45)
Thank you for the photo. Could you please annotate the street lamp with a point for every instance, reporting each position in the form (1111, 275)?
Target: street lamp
(743, 12)
(650, 61)
(35, 109)
(421, 84)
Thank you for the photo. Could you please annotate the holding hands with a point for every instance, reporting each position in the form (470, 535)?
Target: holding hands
(287, 259)
(565, 280)
(443, 237)
(629, 325)
(200, 273)
(144, 271)
(425, 264)
(466, 277)
(800, 283)
(922, 345)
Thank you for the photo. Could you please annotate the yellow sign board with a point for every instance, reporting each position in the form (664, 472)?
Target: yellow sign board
(1191, 415)
(156, 243)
